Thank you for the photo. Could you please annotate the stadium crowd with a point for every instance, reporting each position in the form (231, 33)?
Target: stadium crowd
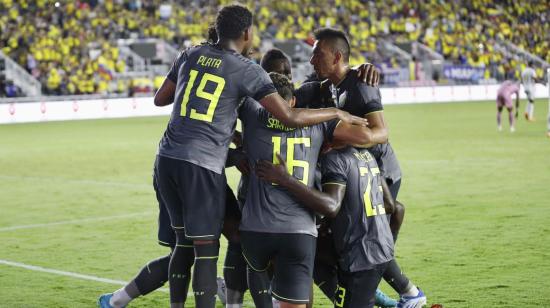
(71, 46)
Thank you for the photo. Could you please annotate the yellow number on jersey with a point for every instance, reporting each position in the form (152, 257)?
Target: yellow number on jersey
(340, 296)
(212, 97)
(292, 163)
(369, 208)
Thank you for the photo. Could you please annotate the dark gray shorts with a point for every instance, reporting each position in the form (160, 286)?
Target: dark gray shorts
(293, 256)
(194, 197)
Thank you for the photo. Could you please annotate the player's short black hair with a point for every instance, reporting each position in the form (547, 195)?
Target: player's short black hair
(283, 85)
(212, 36)
(338, 40)
(271, 57)
(232, 21)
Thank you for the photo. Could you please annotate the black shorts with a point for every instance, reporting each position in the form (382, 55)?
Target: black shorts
(293, 255)
(232, 209)
(194, 197)
(394, 187)
(326, 263)
(358, 289)
(166, 235)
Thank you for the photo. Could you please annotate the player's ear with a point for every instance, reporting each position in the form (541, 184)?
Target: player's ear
(292, 101)
(248, 34)
(337, 57)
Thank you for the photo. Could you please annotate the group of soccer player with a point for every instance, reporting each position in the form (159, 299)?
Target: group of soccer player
(509, 88)
(317, 197)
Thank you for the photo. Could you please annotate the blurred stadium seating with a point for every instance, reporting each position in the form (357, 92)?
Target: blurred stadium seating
(98, 46)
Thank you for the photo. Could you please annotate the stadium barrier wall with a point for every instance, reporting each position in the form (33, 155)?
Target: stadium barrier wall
(42, 111)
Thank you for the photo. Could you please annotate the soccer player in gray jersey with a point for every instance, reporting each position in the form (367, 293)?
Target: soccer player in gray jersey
(330, 60)
(273, 225)
(192, 153)
(356, 198)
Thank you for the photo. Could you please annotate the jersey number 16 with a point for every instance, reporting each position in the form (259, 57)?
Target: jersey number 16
(292, 163)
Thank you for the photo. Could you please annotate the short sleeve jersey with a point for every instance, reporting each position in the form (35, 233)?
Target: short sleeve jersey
(528, 78)
(361, 231)
(271, 208)
(211, 83)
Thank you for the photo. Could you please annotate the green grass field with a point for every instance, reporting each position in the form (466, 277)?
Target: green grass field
(476, 233)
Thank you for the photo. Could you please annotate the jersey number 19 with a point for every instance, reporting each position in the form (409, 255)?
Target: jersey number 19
(213, 98)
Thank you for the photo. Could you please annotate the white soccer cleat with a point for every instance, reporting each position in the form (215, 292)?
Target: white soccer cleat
(499, 128)
(512, 129)
(417, 301)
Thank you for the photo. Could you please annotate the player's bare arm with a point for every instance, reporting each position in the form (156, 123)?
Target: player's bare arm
(327, 203)
(350, 134)
(299, 117)
(377, 125)
(165, 94)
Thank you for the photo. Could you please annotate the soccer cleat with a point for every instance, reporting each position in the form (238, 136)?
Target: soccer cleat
(103, 301)
(526, 114)
(221, 289)
(512, 129)
(383, 301)
(412, 301)
(499, 128)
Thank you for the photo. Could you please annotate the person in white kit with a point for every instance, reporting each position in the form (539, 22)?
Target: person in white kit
(528, 79)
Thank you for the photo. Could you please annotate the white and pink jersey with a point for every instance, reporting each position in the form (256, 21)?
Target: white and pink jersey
(507, 89)
(504, 94)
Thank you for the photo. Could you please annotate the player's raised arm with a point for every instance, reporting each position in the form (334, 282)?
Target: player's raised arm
(165, 94)
(327, 203)
(377, 125)
(296, 117)
(367, 73)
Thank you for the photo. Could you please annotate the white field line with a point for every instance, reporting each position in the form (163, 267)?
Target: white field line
(76, 221)
(67, 274)
(78, 181)
(84, 277)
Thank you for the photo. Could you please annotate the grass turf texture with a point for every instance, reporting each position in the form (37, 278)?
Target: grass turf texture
(475, 235)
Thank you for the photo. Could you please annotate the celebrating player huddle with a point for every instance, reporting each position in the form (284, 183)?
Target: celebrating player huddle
(285, 152)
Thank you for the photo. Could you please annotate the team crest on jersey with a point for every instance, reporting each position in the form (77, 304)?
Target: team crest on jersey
(342, 100)
(339, 100)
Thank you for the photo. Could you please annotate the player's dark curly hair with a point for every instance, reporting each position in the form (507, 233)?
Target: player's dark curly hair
(212, 36)
(232, 21)
(271, 57)
(337, 39)
(283, 85)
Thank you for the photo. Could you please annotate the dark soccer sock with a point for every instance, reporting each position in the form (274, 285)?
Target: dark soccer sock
(395, 277)
(260, 288)
(326, 279)
(204, 274)
(234, 273)
(180, 269)
(152, 276)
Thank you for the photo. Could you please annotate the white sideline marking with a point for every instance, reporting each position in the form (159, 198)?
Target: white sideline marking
(82, 276)
(78, 181)
(68, 274)
(75, 221)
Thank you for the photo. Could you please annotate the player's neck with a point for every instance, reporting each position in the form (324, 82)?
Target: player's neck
(231, 45)
(339, 74)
